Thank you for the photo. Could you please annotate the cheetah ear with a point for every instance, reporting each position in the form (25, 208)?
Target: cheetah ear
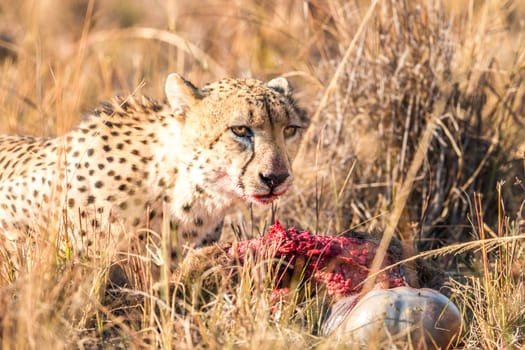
(181, 93)
(281, 85)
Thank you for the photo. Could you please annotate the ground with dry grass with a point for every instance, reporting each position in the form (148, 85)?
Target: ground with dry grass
(418, 131)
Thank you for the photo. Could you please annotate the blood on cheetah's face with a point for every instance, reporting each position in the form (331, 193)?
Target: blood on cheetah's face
(241, 135)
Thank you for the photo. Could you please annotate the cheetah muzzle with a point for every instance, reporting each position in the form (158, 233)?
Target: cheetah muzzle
(135, 160)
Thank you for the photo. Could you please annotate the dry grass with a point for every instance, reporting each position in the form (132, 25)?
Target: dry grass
(374, 76)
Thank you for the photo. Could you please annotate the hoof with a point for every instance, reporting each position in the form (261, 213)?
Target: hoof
(424, 318)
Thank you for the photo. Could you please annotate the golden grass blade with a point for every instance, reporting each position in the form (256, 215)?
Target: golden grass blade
(335, 78)
(145, 33)
(400, 202)
(459, 248)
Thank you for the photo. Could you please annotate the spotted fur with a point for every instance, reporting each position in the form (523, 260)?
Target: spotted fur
(133, 160)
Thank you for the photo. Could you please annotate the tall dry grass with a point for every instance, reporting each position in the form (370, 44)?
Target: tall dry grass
(373, 75)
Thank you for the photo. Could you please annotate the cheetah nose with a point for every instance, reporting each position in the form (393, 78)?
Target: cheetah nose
(273, 180)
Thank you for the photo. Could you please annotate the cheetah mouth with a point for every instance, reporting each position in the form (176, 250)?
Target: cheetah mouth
(266, 198)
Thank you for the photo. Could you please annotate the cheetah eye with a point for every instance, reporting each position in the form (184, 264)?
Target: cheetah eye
(241, 131)
(290, 131)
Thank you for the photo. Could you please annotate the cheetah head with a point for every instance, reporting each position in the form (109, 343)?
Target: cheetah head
(240, 135)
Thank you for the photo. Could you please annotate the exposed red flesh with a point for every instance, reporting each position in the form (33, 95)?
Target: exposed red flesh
(340, 263)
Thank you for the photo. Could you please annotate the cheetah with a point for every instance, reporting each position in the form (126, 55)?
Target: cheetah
(135, 161)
